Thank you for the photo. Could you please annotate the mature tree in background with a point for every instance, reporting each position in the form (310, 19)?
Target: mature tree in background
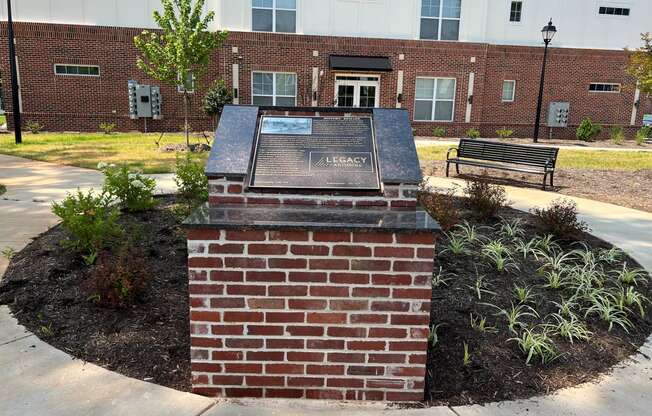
(182, 49)
(640, 65)
(217, 96)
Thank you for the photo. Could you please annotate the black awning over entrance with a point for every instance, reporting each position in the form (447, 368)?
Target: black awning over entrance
(360, 63)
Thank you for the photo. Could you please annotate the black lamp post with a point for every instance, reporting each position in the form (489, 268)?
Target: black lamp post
(14, 75)
(548, 33)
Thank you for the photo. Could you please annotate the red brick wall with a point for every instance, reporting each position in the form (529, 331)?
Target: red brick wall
(318, 315)
(81, 103)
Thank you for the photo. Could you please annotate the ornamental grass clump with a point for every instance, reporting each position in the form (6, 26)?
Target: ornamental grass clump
(536, 344)
(91, 220)
(133, 190)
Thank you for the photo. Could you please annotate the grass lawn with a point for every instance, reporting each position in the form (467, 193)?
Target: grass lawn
(86, 150)
(3, 119)
(3, 189)
(571, 159)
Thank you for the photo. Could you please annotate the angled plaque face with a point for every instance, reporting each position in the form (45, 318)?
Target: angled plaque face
(315, 153)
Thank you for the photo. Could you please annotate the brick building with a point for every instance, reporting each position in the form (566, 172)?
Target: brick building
(454, 64)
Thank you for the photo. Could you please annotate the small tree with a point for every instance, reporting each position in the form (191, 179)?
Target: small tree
(217, 96)
(182, 49)
(640, 64)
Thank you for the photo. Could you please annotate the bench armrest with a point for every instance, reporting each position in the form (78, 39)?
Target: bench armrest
(448, 154)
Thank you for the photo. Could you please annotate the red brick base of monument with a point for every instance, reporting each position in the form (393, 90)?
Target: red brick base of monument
(309, 314)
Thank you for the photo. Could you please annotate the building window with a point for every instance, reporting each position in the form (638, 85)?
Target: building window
(516, 11)
(434, 99)
(77, 70)
(274, 88)
(440, 19)
(188, 85)
(614, 11)
(604, 87)
(274, 16)
(509, 90)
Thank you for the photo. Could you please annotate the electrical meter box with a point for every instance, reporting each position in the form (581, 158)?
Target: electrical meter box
(144, 101)
(558, 114)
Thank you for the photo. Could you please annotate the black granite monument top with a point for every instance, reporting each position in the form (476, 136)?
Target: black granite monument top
(284, 217)
(233, 147)
(315, 153)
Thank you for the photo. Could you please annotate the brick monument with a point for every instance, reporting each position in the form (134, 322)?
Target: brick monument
(310, 267)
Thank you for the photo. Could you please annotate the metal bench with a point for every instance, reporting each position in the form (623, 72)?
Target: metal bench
(512, 157)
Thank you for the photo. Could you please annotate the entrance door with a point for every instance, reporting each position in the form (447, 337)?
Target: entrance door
(357, 91)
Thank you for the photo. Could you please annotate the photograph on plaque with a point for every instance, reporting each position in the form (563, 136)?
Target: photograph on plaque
(336, 153)
(286, 125)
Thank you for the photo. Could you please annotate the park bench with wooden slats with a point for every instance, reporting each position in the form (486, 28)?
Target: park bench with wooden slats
(505, 156)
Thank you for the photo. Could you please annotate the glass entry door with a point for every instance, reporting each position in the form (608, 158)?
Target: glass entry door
(357, 91)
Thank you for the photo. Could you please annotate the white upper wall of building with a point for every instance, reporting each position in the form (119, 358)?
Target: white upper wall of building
(579, 22)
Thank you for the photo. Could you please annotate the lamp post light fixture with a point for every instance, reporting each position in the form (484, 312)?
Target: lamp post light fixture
(548, 32)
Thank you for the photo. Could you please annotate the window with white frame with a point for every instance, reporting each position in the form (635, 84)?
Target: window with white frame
(440, 19)
(516, 11)
(77, 70)
(187, 85)
(614, 11)
(604, 87)
(434, 99)
(509, 90)
(274, 88)
(274, 16)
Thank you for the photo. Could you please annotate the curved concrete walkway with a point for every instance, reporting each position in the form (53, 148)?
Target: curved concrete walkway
(38, 379)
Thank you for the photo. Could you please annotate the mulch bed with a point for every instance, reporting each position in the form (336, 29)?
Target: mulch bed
(150, 341)
(497, 370)
(625, 188)
(44, 287)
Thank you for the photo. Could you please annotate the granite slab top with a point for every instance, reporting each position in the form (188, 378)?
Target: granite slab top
(284, 217)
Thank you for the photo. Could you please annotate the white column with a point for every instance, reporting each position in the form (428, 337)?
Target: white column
(315, 87)
(236, 82)
(637, 96)
(469, 105)
(399, 88)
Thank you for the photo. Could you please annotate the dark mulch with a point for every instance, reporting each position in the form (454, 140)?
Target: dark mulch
(44, 287)
(498, 370)
(625, 188)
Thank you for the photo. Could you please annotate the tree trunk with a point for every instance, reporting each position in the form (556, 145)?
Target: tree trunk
(185, 118)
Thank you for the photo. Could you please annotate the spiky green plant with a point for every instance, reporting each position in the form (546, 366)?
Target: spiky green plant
(628, 297)
(511, 228)
(605, 306)
(536, 344)
(480, 287)
(515, 315)
(569, 327)
(440, 279)
(466, 358)
(630, 276)
(611, 256)
(479, 324)
(525, 248)
(524, 294)
(471, 233)
(433, 337)
(456, 244)
(566, 307)
(554, 279)
(546, 243)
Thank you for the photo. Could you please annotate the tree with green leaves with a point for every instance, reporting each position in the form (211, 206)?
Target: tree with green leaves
(640, 65)
(182, 49)
(217, 96)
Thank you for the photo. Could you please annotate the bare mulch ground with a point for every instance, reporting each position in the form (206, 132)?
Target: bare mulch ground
(632, 189)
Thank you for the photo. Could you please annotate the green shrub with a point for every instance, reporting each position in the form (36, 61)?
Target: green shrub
(559, 219)
(504, 133)
(34, 127)
(617, 135)
(643, 134)
(134, 191)
(107, 128)
(90, 218)
(588, 130)
(439, 132)
(118, 281)
(484, 198)
(473, 133)
(217, 96)
(191, 179)
(414, 131)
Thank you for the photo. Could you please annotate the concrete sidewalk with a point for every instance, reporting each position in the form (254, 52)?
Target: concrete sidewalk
(38, 379)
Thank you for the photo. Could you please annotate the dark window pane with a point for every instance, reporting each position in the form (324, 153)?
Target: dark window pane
(262, 20)
(444, 111)
(515, 12)
(603, 10)
(286, 21)
(430, 8)
(429, 28)
(261, 100)
(286, 4)
(60, 69)
(345, 95)
(71, 70)
(450, 29)
(451, 8)
(625, 12)
(285, 101)
(423, 110)
(367, 96)
(94, 70)
(83, 70)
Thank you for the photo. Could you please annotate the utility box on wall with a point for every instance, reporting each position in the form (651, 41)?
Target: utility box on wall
(558, 114)
(144, 101)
